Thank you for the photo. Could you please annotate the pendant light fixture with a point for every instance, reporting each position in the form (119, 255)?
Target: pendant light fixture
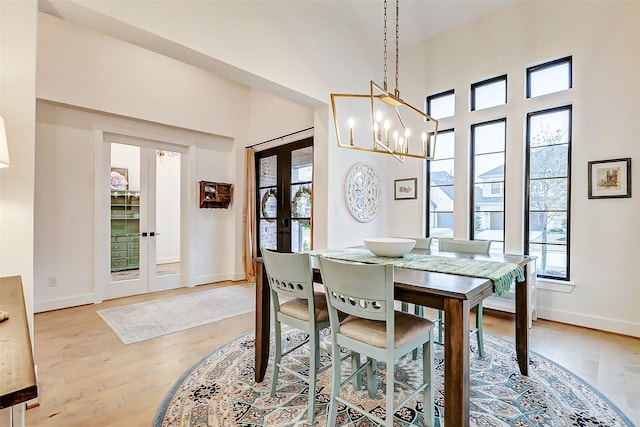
(382, 121)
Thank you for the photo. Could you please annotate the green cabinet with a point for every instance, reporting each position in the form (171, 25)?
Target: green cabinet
(125, 230)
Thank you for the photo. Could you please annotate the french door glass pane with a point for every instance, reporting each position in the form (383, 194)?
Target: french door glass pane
(300, 235)
(268, 231)
(300, 194)
(167, 229)
(125, 212)
(267, 182)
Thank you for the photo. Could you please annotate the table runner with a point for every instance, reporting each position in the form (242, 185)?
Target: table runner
(501, 274)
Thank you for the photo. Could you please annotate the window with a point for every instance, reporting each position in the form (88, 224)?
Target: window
(489, 93)
(441, 104)
(488, 142)
(549, 77)
(440, 187)
(549, 193)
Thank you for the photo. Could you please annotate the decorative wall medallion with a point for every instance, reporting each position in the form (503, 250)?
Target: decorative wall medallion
(362, 192)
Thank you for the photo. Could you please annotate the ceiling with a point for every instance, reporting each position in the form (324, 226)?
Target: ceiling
(419, 20)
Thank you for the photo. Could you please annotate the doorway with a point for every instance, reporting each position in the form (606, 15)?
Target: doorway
(145, 199)
(284, 179)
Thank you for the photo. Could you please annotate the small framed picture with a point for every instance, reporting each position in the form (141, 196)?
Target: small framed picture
(405, 189)
(610, 179)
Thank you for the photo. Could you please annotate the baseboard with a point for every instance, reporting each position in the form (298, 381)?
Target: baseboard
(593, 322)
(211, 278)
(239, 276)
(56, 304)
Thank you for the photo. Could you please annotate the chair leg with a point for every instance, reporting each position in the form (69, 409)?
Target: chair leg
(479, 328)
(336, 378)
(418, 310)
(388, 422)
(355, 365)
(277, 358)
(371, 377)
(440, 325)
(314, 364)
(427, 376)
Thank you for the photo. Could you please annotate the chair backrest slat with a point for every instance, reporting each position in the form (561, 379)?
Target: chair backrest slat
(464, 246)
(289, 274)
(421, 242)
(363, 290)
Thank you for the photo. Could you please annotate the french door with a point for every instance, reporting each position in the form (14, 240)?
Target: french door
(144, 216)
(284, 179)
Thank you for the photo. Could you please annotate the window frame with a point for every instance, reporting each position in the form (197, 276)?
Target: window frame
(442, 94)
(527, 181)
(474, 86)
(544, 65)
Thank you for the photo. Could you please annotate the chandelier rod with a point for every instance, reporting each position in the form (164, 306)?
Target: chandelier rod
(384, 83)
(397, 89)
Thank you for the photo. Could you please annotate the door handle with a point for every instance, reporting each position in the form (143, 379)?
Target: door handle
(143, 234)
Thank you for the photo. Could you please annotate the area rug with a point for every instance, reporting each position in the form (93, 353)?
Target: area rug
(220, 390)
(142, 321)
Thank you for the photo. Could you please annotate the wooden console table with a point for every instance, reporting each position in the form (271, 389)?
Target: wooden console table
(17, 371)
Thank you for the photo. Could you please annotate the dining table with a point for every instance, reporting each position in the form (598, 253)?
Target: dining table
(454, 293)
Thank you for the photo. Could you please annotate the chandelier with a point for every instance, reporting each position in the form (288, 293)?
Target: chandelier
(381, 121)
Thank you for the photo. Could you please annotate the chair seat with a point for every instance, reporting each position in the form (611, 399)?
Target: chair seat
(297, 308)
(373, 332)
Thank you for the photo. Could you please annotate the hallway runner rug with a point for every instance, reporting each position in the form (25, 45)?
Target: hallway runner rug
(145, 320)
(220, 390)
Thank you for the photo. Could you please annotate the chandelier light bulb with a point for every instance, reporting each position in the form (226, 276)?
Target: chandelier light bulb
(351, 131)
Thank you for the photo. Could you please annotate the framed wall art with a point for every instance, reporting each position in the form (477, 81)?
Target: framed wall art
(610, 178)
(405, 189)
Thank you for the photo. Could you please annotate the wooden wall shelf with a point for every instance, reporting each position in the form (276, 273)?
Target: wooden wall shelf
(215, 194)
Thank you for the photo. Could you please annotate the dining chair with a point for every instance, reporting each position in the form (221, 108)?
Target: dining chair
(373, 328)
(471, 247)
(290, 276)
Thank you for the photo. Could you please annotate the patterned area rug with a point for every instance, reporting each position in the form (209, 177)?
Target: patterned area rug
(220, 391)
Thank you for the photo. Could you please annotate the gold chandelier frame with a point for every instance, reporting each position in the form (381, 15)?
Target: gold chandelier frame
(391, 121)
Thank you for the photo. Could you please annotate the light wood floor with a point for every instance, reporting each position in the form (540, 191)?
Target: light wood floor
(87, 377)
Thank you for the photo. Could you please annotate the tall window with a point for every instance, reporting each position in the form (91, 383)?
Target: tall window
(548, 174)
(488, 142)
(440, 187)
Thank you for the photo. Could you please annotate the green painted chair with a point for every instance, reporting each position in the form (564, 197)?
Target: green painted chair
(290, 275)
(373, 328)
(471, 247)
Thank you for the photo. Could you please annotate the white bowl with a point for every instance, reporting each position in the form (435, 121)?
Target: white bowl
(390, 246)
